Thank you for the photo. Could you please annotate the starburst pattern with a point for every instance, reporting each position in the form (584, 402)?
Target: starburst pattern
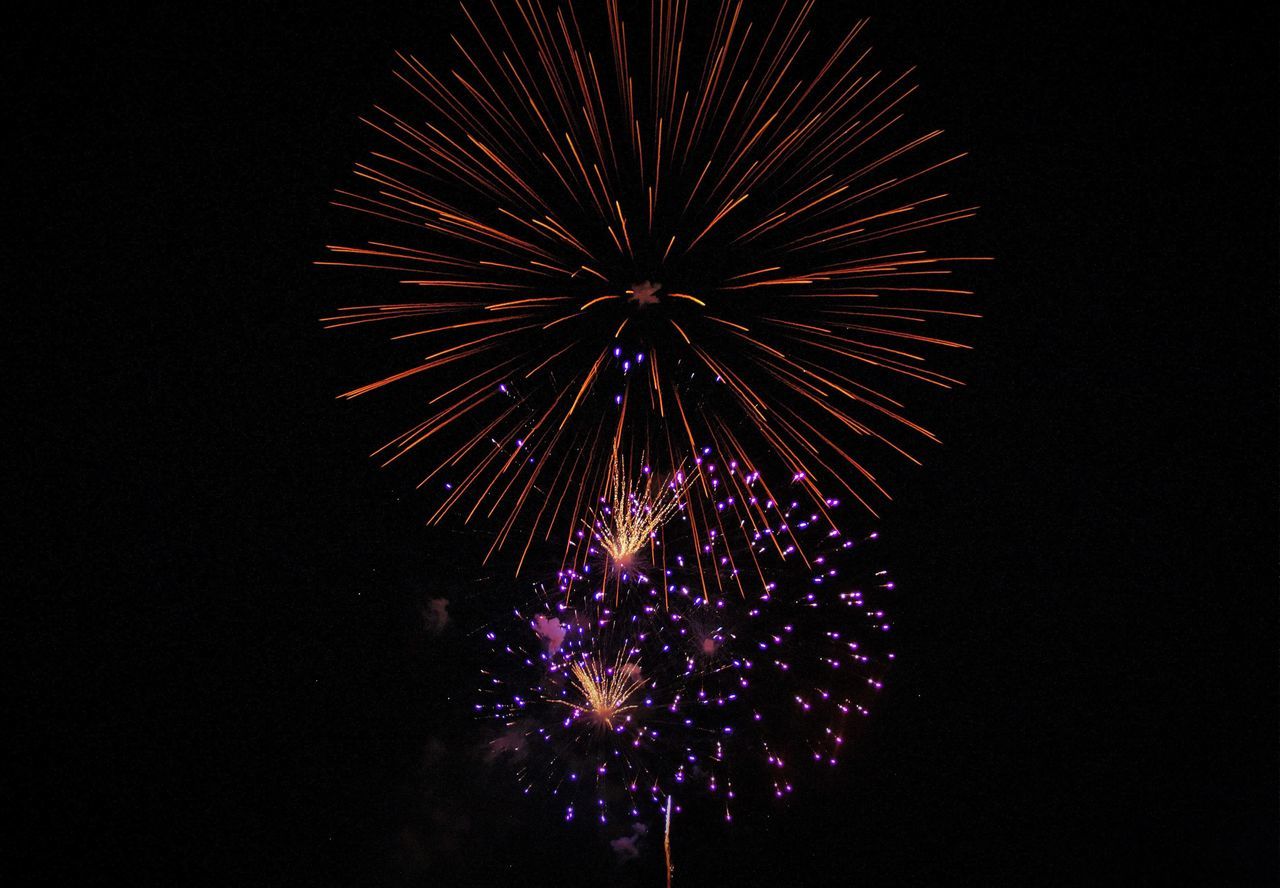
(633, 511)
(670, 241)
(605, 691)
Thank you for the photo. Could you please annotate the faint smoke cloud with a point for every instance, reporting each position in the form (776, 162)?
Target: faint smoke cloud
(628, 847)
(550, 631)
(435, 615)
(509, 742)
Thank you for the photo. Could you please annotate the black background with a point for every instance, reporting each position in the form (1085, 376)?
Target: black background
(224, 678)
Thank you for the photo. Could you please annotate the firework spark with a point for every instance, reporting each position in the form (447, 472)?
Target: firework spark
(534, 197)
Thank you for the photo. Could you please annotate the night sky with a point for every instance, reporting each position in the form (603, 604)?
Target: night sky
(226, 676)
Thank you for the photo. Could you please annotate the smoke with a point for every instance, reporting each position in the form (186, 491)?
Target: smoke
(628, 847)
(435, 615)
(511, 741)
(550, 630)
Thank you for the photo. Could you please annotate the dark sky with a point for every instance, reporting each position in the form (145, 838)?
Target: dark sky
(226, 678)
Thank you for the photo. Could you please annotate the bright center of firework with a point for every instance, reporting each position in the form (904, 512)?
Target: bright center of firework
(644, 293)
(605, 690)
(627, 529)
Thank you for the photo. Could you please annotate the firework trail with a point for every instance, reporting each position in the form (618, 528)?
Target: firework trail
(651, 242)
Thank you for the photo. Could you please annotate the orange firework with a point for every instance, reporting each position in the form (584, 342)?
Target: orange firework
(632, 241)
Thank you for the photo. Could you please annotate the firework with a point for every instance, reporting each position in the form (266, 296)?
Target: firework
(725, 540)
(605, 692)
(670, 239)
(613, 708)
(633, 511)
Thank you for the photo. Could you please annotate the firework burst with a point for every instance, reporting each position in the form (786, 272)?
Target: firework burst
(605, 691)
(673, 694)
(668, 240)
(633, 510)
